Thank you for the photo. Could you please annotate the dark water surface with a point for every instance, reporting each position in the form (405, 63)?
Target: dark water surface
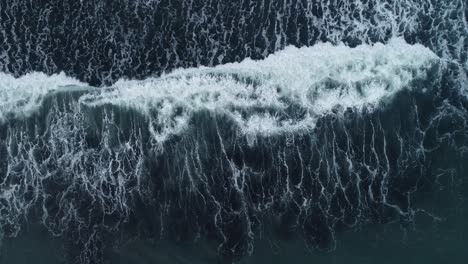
(246, 131)
(440, 243)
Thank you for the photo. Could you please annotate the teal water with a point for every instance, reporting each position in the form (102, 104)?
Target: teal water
(428, 242)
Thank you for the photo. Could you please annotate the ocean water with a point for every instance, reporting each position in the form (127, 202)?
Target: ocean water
(152, 131)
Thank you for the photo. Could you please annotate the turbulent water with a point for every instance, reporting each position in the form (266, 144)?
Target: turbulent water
(228, 123)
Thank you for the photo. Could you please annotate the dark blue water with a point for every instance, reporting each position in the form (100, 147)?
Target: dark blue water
(352, 151)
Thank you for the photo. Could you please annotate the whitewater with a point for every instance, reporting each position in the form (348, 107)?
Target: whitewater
(285, 92)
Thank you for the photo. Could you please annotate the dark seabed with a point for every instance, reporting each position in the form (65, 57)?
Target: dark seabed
(243, 131)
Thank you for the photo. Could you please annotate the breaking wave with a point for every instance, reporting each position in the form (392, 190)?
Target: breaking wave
(285, 92)
(100, 42)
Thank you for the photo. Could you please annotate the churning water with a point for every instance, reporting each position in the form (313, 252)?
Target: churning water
(233, 131)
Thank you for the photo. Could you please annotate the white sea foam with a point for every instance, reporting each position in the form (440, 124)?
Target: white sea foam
(287, 91)
(22, 96)
(258, 95)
